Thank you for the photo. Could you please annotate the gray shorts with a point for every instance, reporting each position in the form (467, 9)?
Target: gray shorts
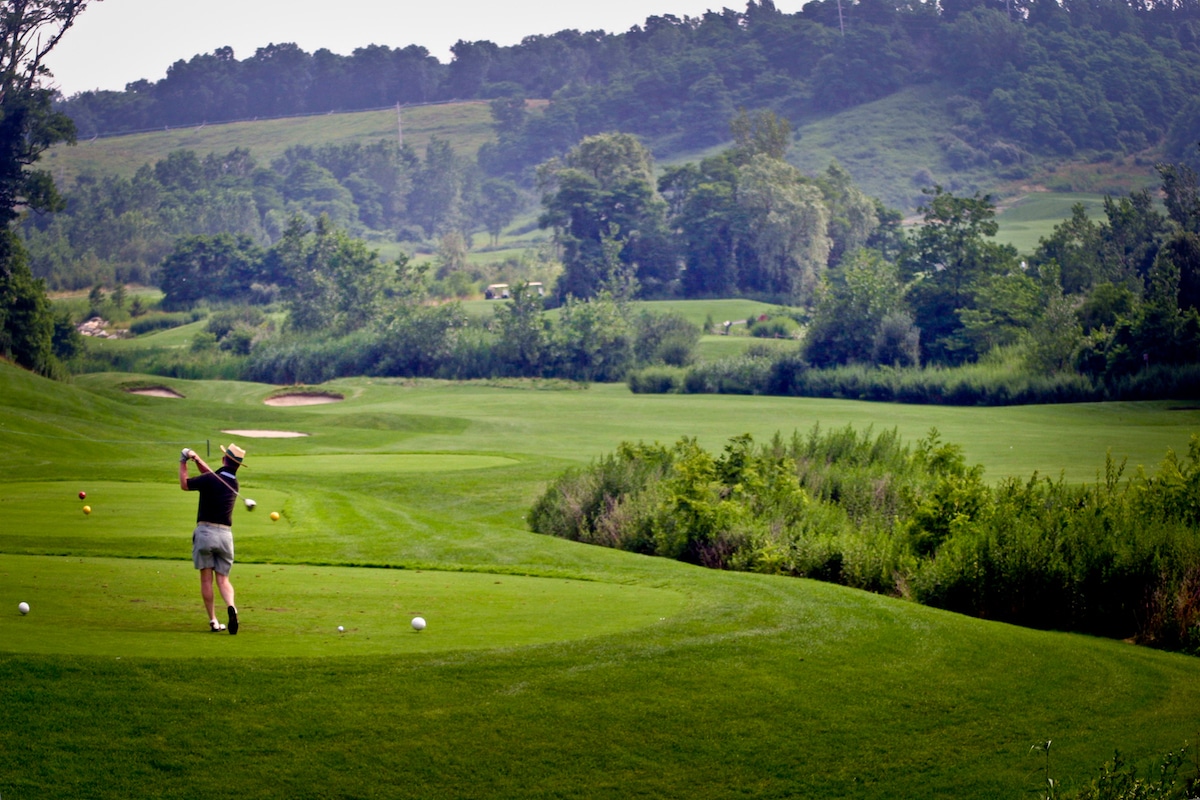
(212, 548)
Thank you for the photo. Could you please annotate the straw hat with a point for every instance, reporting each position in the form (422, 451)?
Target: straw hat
(234, 452)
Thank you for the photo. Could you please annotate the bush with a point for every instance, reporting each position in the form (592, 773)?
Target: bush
(158, 322)
(775, 328)
(1120, 558)
(656, 380)
(222, 322)
(664, 339)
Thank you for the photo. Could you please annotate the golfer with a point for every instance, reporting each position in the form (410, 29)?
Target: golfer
(212, 541)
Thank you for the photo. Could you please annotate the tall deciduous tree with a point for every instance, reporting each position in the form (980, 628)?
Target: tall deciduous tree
(951, 255)
(29, 30)
(604, 206)
(851, 307)
(334, 282)
(789, 226)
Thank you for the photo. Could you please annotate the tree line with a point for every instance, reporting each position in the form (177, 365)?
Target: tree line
(114, 230)
(1101, 309)
(1027, 76)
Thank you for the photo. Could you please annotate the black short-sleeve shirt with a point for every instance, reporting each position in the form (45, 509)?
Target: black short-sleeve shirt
(218, 493)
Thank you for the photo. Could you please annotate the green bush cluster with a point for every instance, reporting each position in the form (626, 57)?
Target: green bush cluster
(594, 341)
(1120, 558)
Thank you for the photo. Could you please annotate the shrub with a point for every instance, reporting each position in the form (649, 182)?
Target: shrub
(158, 322)
(222, 322)
(656, 380)
(1120, 558)
(775, 328)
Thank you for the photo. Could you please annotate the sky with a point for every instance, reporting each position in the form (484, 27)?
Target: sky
(115, 42)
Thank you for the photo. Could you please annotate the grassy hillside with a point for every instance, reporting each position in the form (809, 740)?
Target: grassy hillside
(892, 148)
(549, 668)
(465, 125)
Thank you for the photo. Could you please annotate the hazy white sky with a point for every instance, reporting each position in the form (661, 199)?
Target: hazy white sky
(115, 42)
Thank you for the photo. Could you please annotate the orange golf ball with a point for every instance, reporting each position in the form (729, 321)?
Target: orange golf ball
(274, 516)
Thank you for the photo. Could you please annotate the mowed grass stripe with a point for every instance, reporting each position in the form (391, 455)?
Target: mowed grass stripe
(147, 608)
(397, 463)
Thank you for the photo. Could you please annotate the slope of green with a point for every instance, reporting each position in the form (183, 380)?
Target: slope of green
(465, 125)
(893, 148)
(549, 668)
(890, 147)
(1032, 217)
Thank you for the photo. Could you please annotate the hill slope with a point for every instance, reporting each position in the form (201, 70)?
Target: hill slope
(465, 125)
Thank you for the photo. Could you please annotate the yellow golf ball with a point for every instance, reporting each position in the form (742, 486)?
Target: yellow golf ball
(87, 509)
(274, 516)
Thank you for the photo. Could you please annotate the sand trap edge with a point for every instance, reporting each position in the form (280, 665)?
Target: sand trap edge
(264, 434)
(303, 399)
(157, 391)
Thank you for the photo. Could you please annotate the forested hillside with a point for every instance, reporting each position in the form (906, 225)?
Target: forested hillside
(1023, 77)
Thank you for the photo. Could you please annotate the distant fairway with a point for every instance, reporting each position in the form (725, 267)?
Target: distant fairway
(1033, 217)
(549, 669)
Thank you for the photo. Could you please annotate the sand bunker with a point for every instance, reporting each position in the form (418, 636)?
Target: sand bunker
(257, 434)
(303, 399)
(157, 391)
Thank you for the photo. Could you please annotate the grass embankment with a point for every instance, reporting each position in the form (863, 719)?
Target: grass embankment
(465, 125)
(549, 669)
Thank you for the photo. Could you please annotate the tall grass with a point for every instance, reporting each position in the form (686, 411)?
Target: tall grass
(1118, 558)
(763, 371)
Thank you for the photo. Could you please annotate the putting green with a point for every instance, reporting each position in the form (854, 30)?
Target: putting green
(271, 466)
(146, 608)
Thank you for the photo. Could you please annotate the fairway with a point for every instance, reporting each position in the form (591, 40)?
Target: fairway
(549, 668)
(147, 608)
(378, 464)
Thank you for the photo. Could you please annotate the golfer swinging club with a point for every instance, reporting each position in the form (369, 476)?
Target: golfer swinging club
(212, 541)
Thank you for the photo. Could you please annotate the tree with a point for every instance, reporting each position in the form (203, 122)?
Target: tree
(524, 331)
(220, 267)
(789, 226)
(593, 340)
(1132, 236)
(435, 201)
(603, 203)
(949, 258)
(1075, 245)
(499, 204)
(852, 304)
(29, 30)
(853, 217)
(762, 132)
(334, 282)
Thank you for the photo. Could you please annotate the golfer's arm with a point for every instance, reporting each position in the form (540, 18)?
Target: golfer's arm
(183, 475)
(200, 463)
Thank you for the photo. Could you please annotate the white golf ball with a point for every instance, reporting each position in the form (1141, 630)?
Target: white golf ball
(23, 608)
(340, 629)
(418, 623)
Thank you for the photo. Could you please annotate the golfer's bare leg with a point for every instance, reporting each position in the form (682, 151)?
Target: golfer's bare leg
(226, 591)
(206, 591)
